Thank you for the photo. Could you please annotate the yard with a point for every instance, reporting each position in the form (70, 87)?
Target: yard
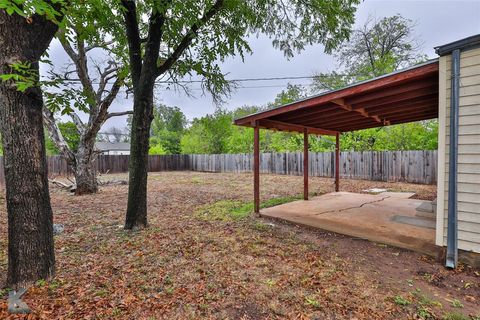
(202, 257)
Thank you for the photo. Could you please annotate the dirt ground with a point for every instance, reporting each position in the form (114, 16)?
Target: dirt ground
(184, 267)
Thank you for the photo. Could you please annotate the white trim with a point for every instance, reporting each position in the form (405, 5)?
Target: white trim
(442, 134)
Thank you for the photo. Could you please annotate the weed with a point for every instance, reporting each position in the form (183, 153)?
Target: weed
(424, 313)
(261, 226)
(41, 283)
(54, 284)
(4, 292)
(457, 304)
(401, 301)
(116, 312)
(270, 282)
(196, 180)
(425, 300)
(455, 316)
(312, 302)
(101, 293)
(167, 280)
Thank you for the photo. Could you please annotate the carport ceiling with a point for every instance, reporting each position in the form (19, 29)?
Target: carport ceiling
(400, 97)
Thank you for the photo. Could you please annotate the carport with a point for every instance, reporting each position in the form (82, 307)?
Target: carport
(447, 88)
(399, 97)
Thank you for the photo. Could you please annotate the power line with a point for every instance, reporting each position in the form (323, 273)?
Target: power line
(228, 80)
(246, 79)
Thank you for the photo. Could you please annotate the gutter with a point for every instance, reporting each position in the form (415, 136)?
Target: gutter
(452, 230)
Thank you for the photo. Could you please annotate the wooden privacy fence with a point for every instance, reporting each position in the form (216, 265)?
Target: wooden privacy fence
(406, 166)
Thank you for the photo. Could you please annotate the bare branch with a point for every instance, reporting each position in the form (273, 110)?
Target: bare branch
(56, 135)
(99, 46)
(78, 122)
(117, 114)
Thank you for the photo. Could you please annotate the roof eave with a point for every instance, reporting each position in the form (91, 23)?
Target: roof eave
(463, 44)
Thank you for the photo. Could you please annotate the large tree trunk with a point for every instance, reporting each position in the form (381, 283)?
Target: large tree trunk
(136, 217)
(84, 171)
(30, 220)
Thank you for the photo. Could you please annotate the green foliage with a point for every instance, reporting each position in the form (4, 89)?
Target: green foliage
(401, 301)
(167, 129)
(457, 304)
(197, 36)
(70, 134)
(156, 150)
(209, 134)
(26, 8)
(216, 133)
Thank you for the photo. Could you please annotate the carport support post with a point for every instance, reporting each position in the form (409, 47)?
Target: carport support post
(337, 162)
(305, 164)
(256, 168)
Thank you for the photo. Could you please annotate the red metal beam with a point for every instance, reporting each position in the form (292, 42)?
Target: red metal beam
(305, 164)
(305, 113)
(392, 122)
(343, 114)
(283, 126)
(256, 169)
(337, 162)
(399, 98)
(405, 103)
(408, 87)
(328, 119)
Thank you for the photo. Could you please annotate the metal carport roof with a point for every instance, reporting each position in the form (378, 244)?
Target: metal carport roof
(403, 96)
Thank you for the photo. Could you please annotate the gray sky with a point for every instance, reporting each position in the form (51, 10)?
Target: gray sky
(437, 23)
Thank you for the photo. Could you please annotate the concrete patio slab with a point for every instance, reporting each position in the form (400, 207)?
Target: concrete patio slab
(364, 216)
(403, 195)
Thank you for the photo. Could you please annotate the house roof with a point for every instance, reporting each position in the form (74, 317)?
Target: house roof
(462, 44)
(112, 146)
(403, 96)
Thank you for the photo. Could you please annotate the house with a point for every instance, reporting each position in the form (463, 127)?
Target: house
(113, 148)
(447, 88)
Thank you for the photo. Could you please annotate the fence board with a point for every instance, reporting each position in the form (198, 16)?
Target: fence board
(404, 166)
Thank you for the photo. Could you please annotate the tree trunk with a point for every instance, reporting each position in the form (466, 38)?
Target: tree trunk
(85, 176)
(30, 219)
(136, 217)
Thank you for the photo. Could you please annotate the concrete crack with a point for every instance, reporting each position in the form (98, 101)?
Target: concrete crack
(349, 208)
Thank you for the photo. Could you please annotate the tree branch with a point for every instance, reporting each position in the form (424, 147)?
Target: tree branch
(152, 46)
(133, 37)
(56, 135)
(189, 36)
(117, 114)
(78, 122)
(101, 117)
(99, 45)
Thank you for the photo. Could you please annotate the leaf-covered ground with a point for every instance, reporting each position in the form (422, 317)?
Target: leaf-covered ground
(190, 264)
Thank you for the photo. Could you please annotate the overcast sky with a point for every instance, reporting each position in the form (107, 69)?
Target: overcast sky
(437, 23)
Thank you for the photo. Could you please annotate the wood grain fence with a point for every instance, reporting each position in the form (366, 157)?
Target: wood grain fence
(404, 166)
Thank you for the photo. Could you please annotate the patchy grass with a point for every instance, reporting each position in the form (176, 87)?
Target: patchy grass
(455, 316)
(401, 301)
(231, 210)
(230, 264)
